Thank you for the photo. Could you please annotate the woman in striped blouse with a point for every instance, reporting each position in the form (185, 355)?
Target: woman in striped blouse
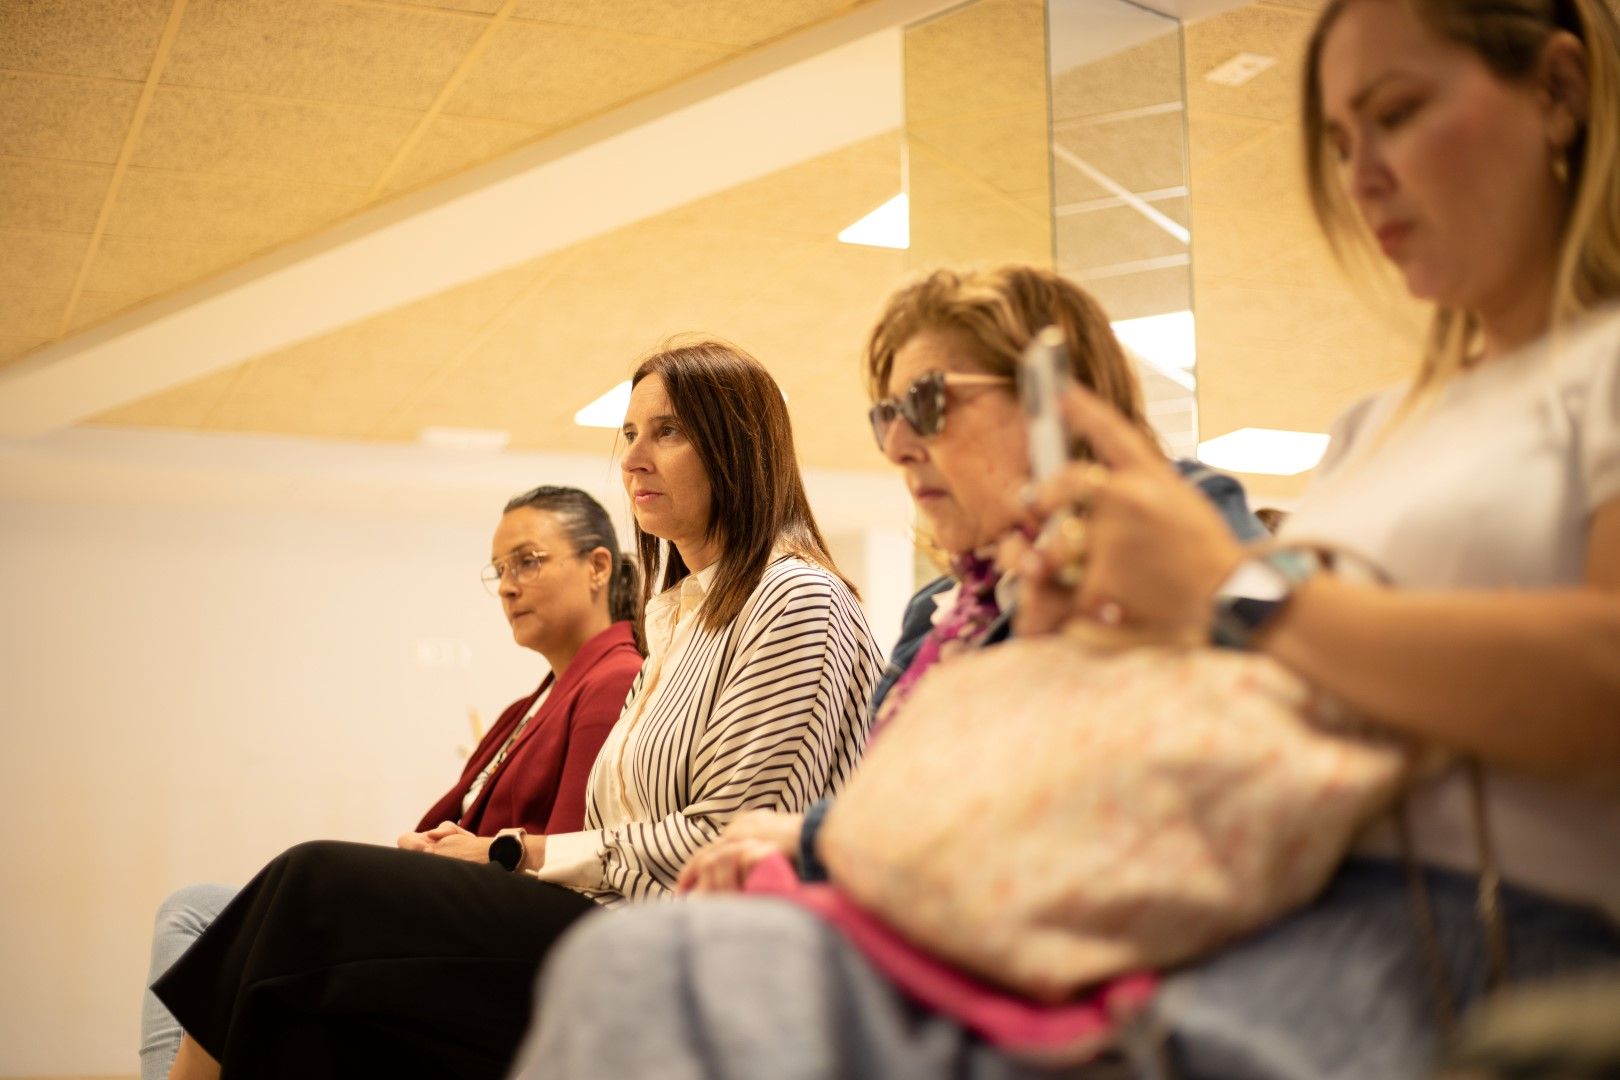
(342, 959)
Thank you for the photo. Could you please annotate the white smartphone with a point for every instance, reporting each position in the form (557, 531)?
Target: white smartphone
(1043, 376)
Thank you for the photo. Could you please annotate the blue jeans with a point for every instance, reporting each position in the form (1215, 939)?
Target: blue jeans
(181, 919)
(1340, 990)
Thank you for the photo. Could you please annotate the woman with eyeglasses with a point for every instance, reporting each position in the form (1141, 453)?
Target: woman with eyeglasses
(343, 960)
(755, 987)
(570, 595)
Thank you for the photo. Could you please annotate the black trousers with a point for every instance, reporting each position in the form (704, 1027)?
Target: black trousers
(346, 960)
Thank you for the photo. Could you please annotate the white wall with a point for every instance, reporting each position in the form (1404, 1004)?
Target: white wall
(187, 692)
(188, 685)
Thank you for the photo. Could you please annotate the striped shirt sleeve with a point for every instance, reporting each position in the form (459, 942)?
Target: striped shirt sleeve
(772, 716)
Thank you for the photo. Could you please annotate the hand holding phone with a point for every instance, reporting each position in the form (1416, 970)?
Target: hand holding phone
(1043, 376)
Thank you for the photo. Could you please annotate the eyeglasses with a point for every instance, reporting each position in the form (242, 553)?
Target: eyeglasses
(923, 403)
(524, 566)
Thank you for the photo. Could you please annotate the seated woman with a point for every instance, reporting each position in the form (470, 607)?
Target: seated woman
(343, 960)
(949, 345)
(570, 596)
(941, 363)
(1476, 140)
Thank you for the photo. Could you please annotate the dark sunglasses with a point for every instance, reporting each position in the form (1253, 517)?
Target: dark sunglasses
(923, 403)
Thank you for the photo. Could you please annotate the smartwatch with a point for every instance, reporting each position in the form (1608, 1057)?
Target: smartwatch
(507, 849)
(1257, 590)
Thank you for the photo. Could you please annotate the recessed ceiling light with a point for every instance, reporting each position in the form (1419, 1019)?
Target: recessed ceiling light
(1240, 69)
(1166, 341)
(456, 438)
(889, 226)
(608, 410)
(1264, 450)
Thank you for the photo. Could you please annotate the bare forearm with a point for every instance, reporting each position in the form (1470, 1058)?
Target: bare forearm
(1524, 679)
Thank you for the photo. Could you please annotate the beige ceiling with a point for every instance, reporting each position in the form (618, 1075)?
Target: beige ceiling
(147, 143)
(144, 145)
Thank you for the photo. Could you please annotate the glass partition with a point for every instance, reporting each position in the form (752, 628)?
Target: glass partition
(1120, 206)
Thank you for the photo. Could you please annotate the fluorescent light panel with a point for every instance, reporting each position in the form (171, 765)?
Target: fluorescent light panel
(1167, 341)
(1264, 450)
(608, 410)
(889, 226)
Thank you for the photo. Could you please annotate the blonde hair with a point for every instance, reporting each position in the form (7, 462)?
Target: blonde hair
(1000, 311)
(1509, 36)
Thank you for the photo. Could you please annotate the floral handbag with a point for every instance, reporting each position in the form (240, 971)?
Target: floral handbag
(1050, 813)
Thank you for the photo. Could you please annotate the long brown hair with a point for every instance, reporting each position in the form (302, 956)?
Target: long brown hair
(1509, 36)
(732, 412)
(1001, 311)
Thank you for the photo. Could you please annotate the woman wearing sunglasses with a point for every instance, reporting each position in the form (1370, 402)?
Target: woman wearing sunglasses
(942, 363)
(568, 594)
(344, 960)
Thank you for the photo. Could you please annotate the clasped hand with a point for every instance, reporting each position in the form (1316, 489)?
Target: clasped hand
(724, 865)
(448, 839)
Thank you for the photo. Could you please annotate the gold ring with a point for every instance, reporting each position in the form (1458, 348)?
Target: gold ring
(1072, 528)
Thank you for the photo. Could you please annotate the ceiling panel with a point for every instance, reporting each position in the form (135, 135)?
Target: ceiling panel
(40, 260)
(733, 23)
(74, 119)
(1000, 41)
(553, 76)
(29, 313)
(1266, 29)
(212, 209)
(113, 39)
(235, 135)
(452, 143)
(53, 195)
(363, 55)
(92, 307)
(147, 267)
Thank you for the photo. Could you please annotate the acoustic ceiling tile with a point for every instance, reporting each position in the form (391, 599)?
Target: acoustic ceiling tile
(984, 59)
(114, 39)
(40, 260)
(364, 55)
(149, 267)
(1146, 292)
(1146, 154)
(67, 118)
(552, 76)
(452, 144)
(62, 196)
(94, 307)
(184, 406)
(1142, 76)
(207, 209)
(32, 313)
(735, 23)
(1273, 94)
(232, 135)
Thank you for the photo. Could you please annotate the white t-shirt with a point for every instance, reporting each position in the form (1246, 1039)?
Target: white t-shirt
(1490, 485)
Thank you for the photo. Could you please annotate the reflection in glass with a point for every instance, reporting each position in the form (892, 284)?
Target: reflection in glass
(1120, 206)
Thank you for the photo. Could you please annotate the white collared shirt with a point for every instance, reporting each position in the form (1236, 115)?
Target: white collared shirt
(766, 712)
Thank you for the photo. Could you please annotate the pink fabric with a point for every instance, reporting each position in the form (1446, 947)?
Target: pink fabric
(962, 626)
(1071, 1032)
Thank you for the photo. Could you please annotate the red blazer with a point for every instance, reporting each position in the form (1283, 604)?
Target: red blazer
(541, 784)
